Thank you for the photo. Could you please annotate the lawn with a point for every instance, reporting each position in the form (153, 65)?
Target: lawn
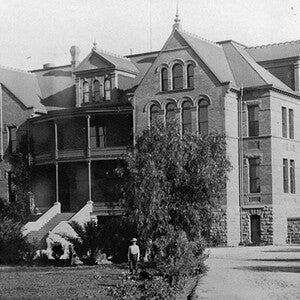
(84, 282)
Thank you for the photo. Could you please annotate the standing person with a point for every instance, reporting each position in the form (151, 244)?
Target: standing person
(133, 256)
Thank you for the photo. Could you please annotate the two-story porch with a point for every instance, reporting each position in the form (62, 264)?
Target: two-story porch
(76, 152)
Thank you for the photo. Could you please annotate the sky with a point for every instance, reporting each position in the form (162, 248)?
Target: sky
(35, 32)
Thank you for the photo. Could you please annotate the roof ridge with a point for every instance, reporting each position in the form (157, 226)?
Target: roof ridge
(200, 37)
(274, 44)
(17, 70)
(112, 54)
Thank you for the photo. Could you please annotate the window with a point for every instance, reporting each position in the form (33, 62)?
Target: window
(285, 176)
(164, 79)
(170, 112)
(12, 131)
(254, 175)
(291, 123)
(177, 77)
(98, 136)
(292, 177)
(190, 76)
(186, 117)
(253, 123)
(154, 112)
(284, 121)
(96, 90)
(203, 117)
(107, 89)
(86, 92)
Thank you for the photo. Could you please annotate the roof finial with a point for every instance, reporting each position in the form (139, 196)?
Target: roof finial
(177, 24)
(94, 45)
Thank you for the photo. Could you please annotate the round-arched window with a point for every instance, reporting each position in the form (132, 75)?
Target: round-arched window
(203, 116)
(186, 116)
(177, 73)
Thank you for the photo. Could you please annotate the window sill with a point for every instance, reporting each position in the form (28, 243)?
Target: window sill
(175, 91)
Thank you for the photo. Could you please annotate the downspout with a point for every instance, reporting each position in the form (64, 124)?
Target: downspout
(241, 154)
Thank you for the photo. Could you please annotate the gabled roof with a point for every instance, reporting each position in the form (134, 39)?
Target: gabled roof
(24, 86)
(99, 59)
(275, 51)
(246, 70)
(211, 54)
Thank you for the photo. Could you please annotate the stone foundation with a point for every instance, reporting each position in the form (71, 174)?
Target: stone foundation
(218, 232)
(293, 231)
(266, 225)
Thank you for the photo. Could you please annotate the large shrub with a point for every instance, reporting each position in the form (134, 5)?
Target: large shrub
(13, 245)
(173, 184)
(88, 241)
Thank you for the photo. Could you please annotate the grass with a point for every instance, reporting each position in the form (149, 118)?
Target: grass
(84, 282)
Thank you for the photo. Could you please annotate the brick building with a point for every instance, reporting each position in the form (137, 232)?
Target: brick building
(83, 115)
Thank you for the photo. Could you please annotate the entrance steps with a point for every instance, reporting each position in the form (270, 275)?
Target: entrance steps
(40, 235)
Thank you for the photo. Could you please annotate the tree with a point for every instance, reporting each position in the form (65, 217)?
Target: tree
(174, 182)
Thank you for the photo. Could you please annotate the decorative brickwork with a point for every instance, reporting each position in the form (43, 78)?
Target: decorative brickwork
(218, 232)
(266, 225)
(293, 231)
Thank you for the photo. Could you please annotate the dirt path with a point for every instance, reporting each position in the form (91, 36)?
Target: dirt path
(252, 273)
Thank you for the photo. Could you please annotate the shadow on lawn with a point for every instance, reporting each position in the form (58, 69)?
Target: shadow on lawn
(284, 250)
(277, 259)
(288, 269)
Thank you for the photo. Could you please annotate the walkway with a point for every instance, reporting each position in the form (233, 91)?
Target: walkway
(268, 272)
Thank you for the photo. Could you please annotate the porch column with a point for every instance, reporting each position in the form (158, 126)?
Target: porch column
(297, 76)
(88, 123)
(56, 183)
(90, 181)
(55, 140)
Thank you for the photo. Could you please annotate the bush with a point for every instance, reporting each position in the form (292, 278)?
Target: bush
(13, 245)
(88, 242)
(57, 250)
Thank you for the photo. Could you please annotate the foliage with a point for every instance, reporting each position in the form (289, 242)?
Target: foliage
(174, 182)
(173, 185)
(88, 242)
(21, 174)
(13, 245)
(116, 234)
(57, 250)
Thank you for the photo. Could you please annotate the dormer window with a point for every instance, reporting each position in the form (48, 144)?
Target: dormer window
(107, 90)
(190, 76)
(164, 79)
(177, 74)
(96, 90)
(86, 92)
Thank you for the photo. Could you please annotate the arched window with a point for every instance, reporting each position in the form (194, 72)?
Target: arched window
(203, 116)
(190, 76)
(177, 77)
(186, 116)
(170, 112)
(96, 90)
(107, 90)
(154, 113)
(86, 92)
(164, 79)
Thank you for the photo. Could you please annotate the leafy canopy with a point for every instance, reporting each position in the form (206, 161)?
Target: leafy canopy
(173, 181)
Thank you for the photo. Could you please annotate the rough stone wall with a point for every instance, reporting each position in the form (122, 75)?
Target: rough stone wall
(266, 224)
(293, 231)
(218, 232)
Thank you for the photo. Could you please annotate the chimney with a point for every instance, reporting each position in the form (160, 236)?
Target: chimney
(74, 50)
